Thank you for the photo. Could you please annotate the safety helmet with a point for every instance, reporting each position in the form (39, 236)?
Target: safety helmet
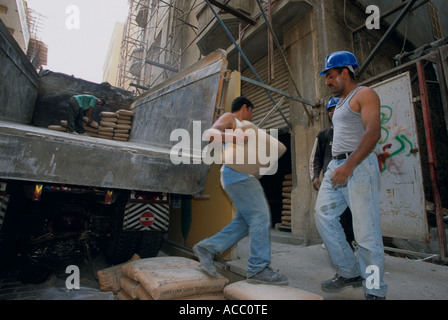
(332, 102)
(340, 59)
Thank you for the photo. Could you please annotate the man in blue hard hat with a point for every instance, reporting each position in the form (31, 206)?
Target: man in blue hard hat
(352, 180)
(320, 158)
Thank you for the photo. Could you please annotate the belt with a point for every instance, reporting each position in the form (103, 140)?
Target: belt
(342, 156)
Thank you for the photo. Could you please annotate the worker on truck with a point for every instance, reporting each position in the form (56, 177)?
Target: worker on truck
(77, 106)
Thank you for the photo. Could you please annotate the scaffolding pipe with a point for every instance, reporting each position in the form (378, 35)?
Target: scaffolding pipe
(432, 159)
(274, 37)
(245, 58)
(386, 36)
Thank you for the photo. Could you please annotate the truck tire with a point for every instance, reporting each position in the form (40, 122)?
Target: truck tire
(123, 244)
(150, 244)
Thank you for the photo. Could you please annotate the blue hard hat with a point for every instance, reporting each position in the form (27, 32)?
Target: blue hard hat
(332, 102)
(340, 59)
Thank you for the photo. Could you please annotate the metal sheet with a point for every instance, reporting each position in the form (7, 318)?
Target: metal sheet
(402, 197)
(143, 163)
(259, 97)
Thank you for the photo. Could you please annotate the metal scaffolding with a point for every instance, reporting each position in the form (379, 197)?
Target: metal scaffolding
(151, 49)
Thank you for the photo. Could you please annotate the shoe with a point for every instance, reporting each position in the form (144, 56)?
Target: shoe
(267, 276)
(206, 259)
(73, 132)
(369, 296)
(338, 283)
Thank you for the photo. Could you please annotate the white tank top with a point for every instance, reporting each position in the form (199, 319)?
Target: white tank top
(348, 127)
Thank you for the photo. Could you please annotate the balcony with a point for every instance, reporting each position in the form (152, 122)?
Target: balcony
(213, 37)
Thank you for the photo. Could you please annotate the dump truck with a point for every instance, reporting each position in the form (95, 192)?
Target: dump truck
(97, 193)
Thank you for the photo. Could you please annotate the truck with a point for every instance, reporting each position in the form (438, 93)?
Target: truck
(61, 192)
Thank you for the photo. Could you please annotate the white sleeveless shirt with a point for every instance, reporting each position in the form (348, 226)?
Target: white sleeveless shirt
(348, 126)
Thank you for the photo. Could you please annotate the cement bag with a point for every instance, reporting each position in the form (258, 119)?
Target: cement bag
(132, 269)
(57, 128)
(93, 124)
(106, 114)
(121, 295)
(177, 283)
(209, 296)
(129, 286)
(258, 156)
(123, 112)
(108, 124)
(142, 294)
(243, 290)
(109, 278)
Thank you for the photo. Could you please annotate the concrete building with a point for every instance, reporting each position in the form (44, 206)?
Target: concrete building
(13, 14)
(112, 61)
(24, 24)
(277, 48)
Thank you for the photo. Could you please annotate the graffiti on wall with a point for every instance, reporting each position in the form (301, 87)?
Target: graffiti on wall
(394, 142)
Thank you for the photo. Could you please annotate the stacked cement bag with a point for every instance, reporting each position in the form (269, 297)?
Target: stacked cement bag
(286, 192)
(124, 125)
(108, 124)
(168, 278)
(115, 125)
(109, 278)
(90, 128)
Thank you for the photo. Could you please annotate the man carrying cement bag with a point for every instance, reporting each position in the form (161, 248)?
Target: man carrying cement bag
(253, 216)
(77, 106)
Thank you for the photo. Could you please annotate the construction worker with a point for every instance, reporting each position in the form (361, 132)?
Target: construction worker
(78, 105)
(352, 179)
(319, 160)
(253, 216)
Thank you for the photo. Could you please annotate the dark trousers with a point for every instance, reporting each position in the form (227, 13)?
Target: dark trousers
(75, 121)
(347, 225)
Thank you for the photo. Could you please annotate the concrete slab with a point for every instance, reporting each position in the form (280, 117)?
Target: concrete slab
(307, 267)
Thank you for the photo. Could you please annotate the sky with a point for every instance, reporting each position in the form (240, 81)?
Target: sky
(78, 33)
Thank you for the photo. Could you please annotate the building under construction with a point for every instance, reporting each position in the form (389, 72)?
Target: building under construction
(275, 51)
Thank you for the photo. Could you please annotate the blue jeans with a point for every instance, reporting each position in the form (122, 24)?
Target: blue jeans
(252, 218)
(361, 194)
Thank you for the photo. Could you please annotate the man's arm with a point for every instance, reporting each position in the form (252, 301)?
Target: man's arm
(368, 105)
(317, 161)
(225, 122)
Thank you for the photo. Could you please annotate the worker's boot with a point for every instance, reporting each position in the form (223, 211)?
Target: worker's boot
(267, 276)
(338, 283)
(206, 259)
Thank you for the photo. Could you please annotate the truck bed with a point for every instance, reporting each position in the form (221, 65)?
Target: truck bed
(42, 155)
(143, 163)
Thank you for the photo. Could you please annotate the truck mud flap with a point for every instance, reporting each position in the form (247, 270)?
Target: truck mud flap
(146, 217)
(4, 199)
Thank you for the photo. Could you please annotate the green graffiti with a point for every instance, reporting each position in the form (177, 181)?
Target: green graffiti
(386, 116)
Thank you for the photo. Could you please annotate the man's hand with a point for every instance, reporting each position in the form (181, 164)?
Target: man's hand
(341, 175)
(316, 183)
